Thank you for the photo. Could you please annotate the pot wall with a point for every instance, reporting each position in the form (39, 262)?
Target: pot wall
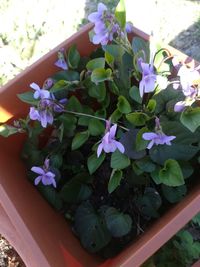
(40, 235)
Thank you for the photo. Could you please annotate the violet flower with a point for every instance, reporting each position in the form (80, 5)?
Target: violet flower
(39, 93)
(105, 25)
(108, 142)
(45, 116)
(61, 62)
(157, 137)
(45, 176)
(129, 27)
(149, 78)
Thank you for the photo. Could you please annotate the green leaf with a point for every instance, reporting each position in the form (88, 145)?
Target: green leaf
(96, 63)
(190, 118)
(28, 98)
(114, 50)
(74, 104)
(128, 139)
(97, 91)
(73, 57)
(79, 139)
(161, 153)
(171, 174)
(7, 130)
(135, 94)
(69, 124)
(56, 160)
(96, 127)
(119, 160)
(115, 180)
(76, 190)
(139, 44)
(68, 75)
(137, 118)
(116, 115)
(120, 13)
(118, 223)
(141, 144)
(113, 88)
(51, 196)
(174, 194)
(91, 228)
(149, 203)
(145, 164)
(101, 75)
(123, 105)
(94, 163)
(151, 106)
(109, 58)
(196, 219)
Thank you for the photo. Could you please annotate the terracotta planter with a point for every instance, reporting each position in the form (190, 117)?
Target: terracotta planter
(40, 235)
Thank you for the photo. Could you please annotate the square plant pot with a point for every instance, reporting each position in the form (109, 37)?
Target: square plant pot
(41, 236)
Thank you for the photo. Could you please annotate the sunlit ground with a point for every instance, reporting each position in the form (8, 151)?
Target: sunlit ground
(29, 29)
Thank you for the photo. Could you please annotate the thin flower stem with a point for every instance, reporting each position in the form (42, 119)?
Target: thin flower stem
(86, 115)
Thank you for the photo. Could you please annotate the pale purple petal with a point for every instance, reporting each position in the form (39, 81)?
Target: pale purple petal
(141, 88)
(37, 180)
(120, 146)
(99, 149)
(61, 63)
(150, 144)
(129, 27)
(110, 147)
(38, 170)
(34, 114)
(149, 136)
(35, 86)
(43, 119)
(180, 106)
(113, 131)
(101, 8)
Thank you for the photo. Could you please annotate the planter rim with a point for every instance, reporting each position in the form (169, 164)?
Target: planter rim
(24, 218)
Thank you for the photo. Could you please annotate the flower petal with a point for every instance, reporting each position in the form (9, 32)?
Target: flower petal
(149, 136)
(99, 149)
(38, 170)
(37, 180)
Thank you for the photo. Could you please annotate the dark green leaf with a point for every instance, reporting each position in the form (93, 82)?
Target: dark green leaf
(137, 118)
(114, 50)
(91, 228)
(128, 139)
(68, 75)
(123, 105)
(190, 118)
(145, 164)
(161, 153)
(135, 94)
(96, 127)
(138, 44)
(115, 180)
(149, 203)
(141, 144)
(118, 223)
(28, 98)
(116, 115)
(171, 174)
(96, 63)
(79, 139)
(151, 105)
(119, 160)
(73, 57)
(94, 163)
(74, 104)
(100, 75)
(7, 130)
(174, 194)
(51, 196)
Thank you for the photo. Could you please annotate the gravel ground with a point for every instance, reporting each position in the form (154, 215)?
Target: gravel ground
(34, 31)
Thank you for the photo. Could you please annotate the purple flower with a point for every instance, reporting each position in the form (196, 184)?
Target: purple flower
(39, 93)
(108, 143)
(157, 138)
(61, 62)
(45, 116)
(47, 177)
(149, 78)
(129, 27)
(105, 25)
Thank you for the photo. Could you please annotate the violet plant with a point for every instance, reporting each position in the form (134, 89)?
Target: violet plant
(122, 133)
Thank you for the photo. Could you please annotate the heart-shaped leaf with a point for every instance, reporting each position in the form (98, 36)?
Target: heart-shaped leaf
(171, 174)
